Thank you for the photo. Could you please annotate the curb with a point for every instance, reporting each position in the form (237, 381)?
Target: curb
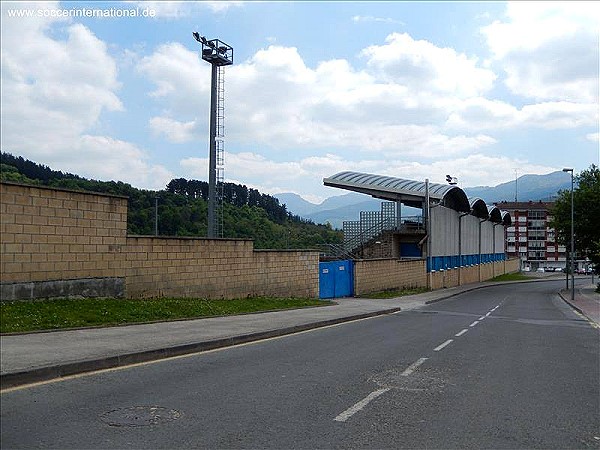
(578, 309)
(42, 374)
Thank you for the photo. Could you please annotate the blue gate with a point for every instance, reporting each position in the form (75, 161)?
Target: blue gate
(336, 279)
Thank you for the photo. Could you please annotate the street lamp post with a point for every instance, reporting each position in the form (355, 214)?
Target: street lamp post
(572, 238)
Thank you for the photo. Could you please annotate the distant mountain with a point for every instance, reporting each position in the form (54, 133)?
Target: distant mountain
(296, 204)
(529, 187)
(340, 208)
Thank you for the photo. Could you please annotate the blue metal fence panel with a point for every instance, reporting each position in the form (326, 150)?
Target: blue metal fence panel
(336, 279)
(326, 281)
(344, 279)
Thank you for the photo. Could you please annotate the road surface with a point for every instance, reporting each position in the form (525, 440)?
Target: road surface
(505, 367)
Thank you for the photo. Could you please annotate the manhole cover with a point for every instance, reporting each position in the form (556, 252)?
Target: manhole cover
(139, 416)
(394, 379)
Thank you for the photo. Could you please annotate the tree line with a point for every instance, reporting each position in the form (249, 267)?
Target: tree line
(182, 208)
(586, 207)
(234, 194)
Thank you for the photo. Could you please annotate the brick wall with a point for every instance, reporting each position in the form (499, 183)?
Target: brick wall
(382, 274)
(56, 242)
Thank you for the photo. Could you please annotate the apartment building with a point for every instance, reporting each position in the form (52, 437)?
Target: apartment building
(530, 237)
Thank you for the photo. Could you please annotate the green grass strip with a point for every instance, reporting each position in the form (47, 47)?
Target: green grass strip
(22, 316)
(393, 293)
(512, 277)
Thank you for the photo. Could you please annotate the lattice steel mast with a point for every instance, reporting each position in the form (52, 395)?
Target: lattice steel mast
(218, 54)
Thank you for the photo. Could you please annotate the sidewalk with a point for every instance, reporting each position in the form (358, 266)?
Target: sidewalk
(35, 357)
(586, 301)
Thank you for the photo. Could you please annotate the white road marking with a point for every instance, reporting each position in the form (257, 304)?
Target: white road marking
(441, 346)
(410, 369)
(488, 314)
(474, 323)
(481, 318)
(360, 405)
(460, 333)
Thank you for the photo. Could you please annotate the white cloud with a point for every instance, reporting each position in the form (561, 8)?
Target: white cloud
(276, 101)
(421, 66)
(549, 50)
(594, 137)
(179, 9)
(483, 114)
(358, 19)
(54, 94)
(106, 158)
(175, 131)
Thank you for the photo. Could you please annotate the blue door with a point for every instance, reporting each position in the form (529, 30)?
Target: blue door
(336, 279)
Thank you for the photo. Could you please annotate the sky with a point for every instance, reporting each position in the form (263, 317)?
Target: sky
(483, 91)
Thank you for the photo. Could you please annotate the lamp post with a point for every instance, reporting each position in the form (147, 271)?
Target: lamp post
(572, 239)
(156, 215)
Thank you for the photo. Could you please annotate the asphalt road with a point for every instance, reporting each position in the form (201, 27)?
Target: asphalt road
(504, 367)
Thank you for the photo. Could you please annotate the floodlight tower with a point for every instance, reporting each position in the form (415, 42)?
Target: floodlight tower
(218, 54)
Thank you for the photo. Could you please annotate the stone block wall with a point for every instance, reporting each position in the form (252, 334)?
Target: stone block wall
(56, 242)
(216, 268)
(49, 234)
(383, 274)
(474, 274)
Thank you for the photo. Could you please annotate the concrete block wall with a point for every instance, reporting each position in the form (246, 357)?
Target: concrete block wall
(474, 274)
(216, 268)
(383, 274)
(50, 234)
(56, 242)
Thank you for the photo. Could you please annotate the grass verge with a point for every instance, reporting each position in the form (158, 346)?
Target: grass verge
(512, 277)
(69, 313)
(393, 293)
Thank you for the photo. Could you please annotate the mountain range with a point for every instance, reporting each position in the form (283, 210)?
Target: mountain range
(340, 208)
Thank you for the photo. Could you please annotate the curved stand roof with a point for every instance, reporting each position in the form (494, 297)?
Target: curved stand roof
(479, 208)
(506, 219)
(409, 192)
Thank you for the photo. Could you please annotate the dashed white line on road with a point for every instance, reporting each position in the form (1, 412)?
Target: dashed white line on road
(441, 346)
(410, 369)
(488, 314)
(461, 332)
(474, 323)
(481, 318)
(360, 405)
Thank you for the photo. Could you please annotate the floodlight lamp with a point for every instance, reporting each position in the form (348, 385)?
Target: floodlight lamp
(196, 36)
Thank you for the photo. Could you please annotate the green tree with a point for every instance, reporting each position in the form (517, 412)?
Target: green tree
(586, 201)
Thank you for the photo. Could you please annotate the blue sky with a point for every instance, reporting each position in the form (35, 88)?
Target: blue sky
(408, 89)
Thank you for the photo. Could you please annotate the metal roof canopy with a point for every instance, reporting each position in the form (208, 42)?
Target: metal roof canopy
(410, 192)
(479, 208)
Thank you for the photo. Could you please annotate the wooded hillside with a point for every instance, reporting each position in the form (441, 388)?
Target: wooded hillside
(182, 208)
